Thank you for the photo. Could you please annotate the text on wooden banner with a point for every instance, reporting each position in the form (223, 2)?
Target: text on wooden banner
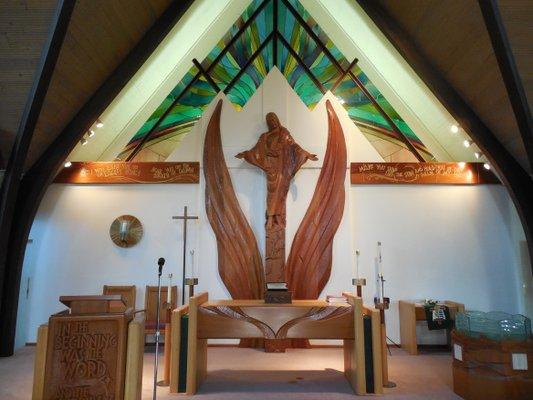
(450, 173)
(129, 172)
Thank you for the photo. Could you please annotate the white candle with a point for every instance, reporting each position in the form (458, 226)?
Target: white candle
(169, 291)
(380, 263)
(357, 264)
(192, 264)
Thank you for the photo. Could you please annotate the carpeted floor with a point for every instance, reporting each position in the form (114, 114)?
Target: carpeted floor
(240, 374)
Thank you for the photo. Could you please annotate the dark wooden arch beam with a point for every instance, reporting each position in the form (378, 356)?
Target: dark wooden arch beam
(15, 167)
(35, 181)
(516, 179)
(511, 77)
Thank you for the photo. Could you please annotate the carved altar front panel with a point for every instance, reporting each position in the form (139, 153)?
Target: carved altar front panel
(309, 319)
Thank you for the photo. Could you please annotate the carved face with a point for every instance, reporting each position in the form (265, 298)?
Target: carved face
(272, 121)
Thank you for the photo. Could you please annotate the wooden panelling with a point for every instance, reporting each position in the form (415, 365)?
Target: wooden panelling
(24, 26)
(453, 36)
(130, 172)
(100, 35)
(421, 174)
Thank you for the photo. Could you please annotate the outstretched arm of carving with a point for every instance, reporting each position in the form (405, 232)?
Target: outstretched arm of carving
(239, 261)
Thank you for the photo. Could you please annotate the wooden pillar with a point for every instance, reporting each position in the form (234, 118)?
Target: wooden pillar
(175, 347)
(196, 348)
(134, 360)
(40, 362)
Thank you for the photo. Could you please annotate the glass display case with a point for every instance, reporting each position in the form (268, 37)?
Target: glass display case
(493, 325)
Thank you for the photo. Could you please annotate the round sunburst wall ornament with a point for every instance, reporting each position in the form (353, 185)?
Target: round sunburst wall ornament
(126, 231)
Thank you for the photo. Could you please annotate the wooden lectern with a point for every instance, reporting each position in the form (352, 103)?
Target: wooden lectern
(89, 351)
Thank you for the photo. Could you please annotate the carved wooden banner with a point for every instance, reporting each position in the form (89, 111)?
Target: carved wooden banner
(452, 173)
(105, 172)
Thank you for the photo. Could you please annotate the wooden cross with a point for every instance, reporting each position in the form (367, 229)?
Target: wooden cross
(185, 217)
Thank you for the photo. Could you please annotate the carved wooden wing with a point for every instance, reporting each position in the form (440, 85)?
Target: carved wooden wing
(239, 261)
(309, 264)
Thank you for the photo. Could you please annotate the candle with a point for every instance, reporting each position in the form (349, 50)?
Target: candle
(357, 264)
(380, 264)
(169, 291)
(192, 264)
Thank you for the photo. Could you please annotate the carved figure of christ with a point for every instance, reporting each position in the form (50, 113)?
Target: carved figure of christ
(280, 157)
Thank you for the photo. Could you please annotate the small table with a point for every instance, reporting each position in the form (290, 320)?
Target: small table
(410, 312)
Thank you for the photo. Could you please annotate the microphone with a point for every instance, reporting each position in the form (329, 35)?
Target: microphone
(161, 262)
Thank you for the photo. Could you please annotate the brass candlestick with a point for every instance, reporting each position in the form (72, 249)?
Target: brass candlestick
(191, 283)
(359, 283)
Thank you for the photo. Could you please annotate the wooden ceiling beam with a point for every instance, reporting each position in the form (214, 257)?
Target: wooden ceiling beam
(15, 166)
(518, 182)
(511, 77)
(35, 181)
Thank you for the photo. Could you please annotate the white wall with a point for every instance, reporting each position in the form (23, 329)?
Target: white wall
(445, 242)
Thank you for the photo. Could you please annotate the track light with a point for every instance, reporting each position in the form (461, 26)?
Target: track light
(68, 164)
(478, 155)
(99, 123)
(467, 143)
(454, 128)
(83, 141)
(91, 133)
(486, 166)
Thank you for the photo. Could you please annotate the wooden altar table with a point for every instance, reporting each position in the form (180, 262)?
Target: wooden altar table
(303, 319)
(410, 312)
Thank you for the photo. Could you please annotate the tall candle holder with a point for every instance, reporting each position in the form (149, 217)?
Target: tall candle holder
(359, 283)
(191, 283)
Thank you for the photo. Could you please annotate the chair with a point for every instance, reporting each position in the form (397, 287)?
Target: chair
(128, 295)
(150, 305)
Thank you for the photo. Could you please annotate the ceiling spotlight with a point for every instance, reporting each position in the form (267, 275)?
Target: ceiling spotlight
(83, 141)
(477, 154)
(486, 166)
(461, 164)
(91, 133)
(99, 123)
(454, 128)
(68, 164)
(341, 100)
(467, 143)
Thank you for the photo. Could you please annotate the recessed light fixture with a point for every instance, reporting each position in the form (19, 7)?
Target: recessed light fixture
(68, 164)
(83, 141)
(486, 166)
(467, 143)
(454, 128)
(477, 154)
(461, 164)
(99, 123)
(91, 133)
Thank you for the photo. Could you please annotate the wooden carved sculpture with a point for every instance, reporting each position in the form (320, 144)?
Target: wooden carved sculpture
(309, 264)
(280, 157)
(239, 261)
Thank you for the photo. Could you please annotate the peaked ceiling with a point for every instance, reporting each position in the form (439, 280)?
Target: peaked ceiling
(391, 106)
(268, 34)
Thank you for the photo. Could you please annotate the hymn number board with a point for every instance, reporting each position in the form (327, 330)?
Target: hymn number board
(86, 356)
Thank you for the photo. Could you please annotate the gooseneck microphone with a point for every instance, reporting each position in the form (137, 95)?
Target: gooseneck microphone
(161, 262)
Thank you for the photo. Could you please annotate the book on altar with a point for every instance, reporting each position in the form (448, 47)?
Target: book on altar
(336, 299)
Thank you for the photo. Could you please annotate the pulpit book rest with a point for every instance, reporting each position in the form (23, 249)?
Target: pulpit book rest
(128, 295)
(303, 319)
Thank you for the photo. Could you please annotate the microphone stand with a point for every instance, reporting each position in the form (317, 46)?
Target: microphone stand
(160, 262)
